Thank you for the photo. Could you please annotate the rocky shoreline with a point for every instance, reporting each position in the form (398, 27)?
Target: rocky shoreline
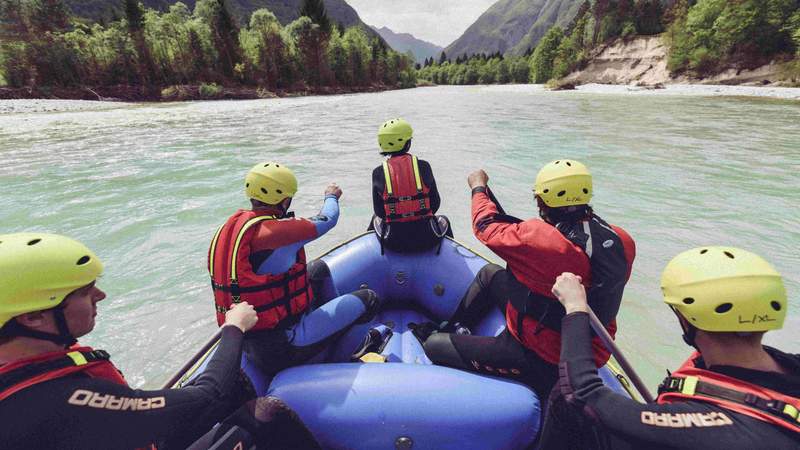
(642, 61)
(127, 93)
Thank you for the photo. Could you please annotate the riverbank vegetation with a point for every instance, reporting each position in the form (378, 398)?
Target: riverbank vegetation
(704, 37)
(204, 50)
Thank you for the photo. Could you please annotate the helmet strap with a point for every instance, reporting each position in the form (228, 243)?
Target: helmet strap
(63, 338)
(689, 331)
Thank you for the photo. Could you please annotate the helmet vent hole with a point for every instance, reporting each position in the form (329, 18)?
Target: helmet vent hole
(391, 143)
(688, 300)
(585, 191)
(84, 259)
(266, 165)
(279, 191)
(264, 191)
(546, 191)
(247, 185)
(557, 162)
(729, 255)
(561, 194)
(775, 305)
(34, 241)
(277, 165)
(399, 139)
(704, 251)
(568, 163)
(723, 308)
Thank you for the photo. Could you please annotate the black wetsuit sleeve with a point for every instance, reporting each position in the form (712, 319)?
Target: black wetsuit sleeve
(82, 412)
(675, 425)
(378, 186)
(426, 173)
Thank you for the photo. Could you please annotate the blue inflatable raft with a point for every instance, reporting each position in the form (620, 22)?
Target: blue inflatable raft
(406, 402)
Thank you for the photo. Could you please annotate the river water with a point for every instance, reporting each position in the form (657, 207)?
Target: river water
(145, 185)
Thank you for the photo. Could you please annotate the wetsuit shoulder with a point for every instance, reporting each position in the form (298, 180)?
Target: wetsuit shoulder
(673, 425)
(77, 411)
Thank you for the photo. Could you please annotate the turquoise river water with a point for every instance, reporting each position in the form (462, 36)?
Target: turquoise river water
(145, 185)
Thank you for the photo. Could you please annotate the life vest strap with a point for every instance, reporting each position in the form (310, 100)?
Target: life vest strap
(284, 301)
(235, 289)
(423, 212)
(420, 196)
(75, 358)
(693, 386)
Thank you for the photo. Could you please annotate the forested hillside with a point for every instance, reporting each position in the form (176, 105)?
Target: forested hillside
(703, 38)
(43, 45)
(285, 10)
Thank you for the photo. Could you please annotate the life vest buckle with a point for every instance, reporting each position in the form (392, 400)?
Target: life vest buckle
(100, 354)
(672, 384)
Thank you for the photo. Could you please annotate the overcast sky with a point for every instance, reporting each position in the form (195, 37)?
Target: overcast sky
(437, 21)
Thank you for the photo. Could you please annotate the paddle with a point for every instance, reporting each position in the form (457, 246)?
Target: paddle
(193, 360)
(602, 333)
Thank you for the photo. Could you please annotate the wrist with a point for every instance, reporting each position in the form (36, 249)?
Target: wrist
(577, 307)
(235, 325)
(479, 189)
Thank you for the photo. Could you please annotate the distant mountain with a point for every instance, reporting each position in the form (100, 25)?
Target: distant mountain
(285, 10)
(513, 26)
(404, 42)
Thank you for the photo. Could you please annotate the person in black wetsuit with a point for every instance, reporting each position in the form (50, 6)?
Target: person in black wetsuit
(404, 195)
(734, 393)
(55, 394)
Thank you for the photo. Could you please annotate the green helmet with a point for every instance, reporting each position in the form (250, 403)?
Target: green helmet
(725, 289)
(565, 182)
(393, 135)
(39, 270)
(270, 183)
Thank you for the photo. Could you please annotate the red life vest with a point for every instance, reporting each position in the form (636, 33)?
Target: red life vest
(25, 373)
(689, 383)
(535, 321)
(405, 198)
(276, 297)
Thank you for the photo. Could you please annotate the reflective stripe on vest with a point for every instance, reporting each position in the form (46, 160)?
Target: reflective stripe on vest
(406, 202)
(277, 298)
(23, 374)
(690, 383)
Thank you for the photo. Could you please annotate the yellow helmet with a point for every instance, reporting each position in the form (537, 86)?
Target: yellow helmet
(564, 183)
(39, 270)
(270, 183)
(725, 289)
(393, 135)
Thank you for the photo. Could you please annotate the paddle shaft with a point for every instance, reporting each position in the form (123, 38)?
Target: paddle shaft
(609, 343)
(601, 332)
(193, 360)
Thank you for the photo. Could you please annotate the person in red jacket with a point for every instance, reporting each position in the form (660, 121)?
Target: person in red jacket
(405, 198)
(732, 393)
(258, 256)
(570, 236)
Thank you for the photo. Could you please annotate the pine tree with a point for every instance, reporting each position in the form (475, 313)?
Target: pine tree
(315, 10)
(226, 38)
(135, 19)
(442, 58)
(48, 15)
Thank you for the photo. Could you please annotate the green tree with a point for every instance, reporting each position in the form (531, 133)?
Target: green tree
(315, 10)
(310, 46)
(359, 55)
(47, 15)
(544, 55)
(135, 19)
(265, 49)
